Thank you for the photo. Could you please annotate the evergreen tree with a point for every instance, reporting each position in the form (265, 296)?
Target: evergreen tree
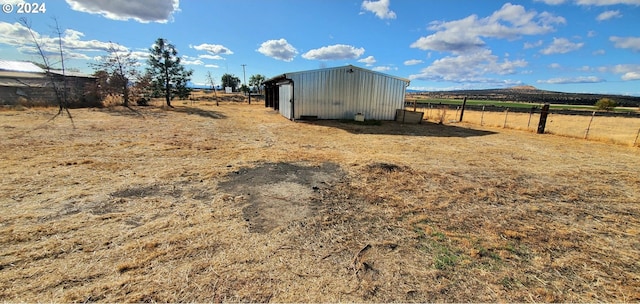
(169, 77)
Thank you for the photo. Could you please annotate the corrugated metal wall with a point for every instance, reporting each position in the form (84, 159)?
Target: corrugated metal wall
(340, 93)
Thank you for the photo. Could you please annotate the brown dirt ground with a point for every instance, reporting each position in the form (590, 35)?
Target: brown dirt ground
(235, 203)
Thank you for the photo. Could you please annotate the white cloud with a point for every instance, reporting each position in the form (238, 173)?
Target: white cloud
(606, 15)
(607, 2)
(591, 34)
(278, 49)
(628, 71)
(413, 62)
(552, 2)
(530, 45)
(555, 65)
(592, 2)
(631, 76)
(582, 79)
(380, 8)
(211, 66)
(381, 68)
(632, 43)
(465, 35)
(384, 68)
(188, 60)
(334, 52)
(192, 62)
(73, 45)
(599, 52)
(212, 57)
(626, 68)
(213, 49)
(143, 11)
(561, 46)
(471, 67)
(72, 39)
(369, 61)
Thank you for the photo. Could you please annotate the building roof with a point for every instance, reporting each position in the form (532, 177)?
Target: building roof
(25, 69)
(284, 76)
(20, 66)
(71, 74)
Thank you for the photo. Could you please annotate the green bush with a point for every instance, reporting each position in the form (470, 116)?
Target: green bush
(606, 104)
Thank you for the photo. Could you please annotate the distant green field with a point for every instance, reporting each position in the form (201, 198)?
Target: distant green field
(456, 102)
(512, 105)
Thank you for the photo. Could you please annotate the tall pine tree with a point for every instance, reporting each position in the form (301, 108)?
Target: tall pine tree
(169, 77)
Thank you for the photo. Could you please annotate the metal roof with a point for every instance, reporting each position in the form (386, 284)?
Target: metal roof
(30, 70)
(71, 74)
(283, 76)
(20, 66)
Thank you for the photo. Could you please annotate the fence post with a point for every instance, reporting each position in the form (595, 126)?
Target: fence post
(464, 104)
(543, 118)
(506, 114)
(636, 140)
(530, 114)
(482, 117)
(589, 126)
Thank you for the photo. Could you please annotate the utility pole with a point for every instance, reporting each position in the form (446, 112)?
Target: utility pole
(244, 75)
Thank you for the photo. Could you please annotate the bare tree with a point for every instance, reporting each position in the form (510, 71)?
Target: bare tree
(212, 83)
(121, 67)
(59, 86)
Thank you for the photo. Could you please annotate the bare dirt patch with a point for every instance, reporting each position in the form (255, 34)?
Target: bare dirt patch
(279, 194)
(207, 203)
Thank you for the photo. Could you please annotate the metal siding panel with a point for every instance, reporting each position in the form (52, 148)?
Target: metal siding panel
(338, 94)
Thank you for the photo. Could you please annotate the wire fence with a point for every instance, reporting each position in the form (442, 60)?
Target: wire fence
(594, 125)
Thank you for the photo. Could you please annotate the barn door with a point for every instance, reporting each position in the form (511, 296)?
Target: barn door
(285, 100)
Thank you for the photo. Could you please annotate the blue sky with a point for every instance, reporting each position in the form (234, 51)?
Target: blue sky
(590, 46)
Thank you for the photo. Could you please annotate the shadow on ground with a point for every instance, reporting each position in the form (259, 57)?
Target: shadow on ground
(395, 128)
(120, 110)
(200, 112)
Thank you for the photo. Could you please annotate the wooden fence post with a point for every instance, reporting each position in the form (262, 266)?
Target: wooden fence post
(482, 117)
(506, 114)
(464, 104)
(586, 133)
(543, 118)
(530, 114)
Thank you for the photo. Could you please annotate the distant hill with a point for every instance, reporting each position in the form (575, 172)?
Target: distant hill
(524, 87)
(531, 94)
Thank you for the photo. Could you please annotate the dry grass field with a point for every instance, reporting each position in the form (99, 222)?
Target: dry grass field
(206, 203)
(615, 130)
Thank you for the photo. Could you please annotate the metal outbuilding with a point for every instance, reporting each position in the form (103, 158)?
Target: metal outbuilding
(336, 93)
